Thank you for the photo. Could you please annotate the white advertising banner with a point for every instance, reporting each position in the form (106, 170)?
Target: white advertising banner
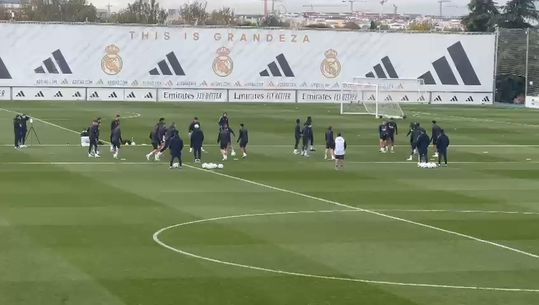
(5, 93)
(107, 56)
(192, 95)
(464, 98)
(265, 96)
(531, 102)
(105, 94)
(48, 94)
(140, 95)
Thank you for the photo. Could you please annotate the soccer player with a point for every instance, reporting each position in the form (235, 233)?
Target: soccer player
(340, 151)
(243, 139)
(441, 146)
(115, 122)
(307, 135)
(223, 120)
(392, 130)
(191, 129)
(154, 137)
(330, 145)
(197, 140)
(93, 132)
(17, 130)
(167, 135)
(436, 131)
(176, 146)
(423, 142)
(309, 122)
(23, 130)
(297, 135)
(116, 140)
(412, 140)
(382, 131)
(224, 140)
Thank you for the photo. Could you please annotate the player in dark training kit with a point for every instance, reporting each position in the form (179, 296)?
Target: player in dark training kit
(175, 146)
(115, 122)
(392, 130)
(436, 132)
(306, 136)
(191, 129)
(297, 136)
(309, 122)
(382, 132)
(197, 140)
(116, 140)
(441, 145)
(224, 138)
(155, 138)
(330, 145)
(223, 120)
(93, 133)
(423, 142)
(243, 139)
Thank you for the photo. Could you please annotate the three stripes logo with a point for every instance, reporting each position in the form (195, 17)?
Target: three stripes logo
(405, 99)
(39, 94)
(485, 99)
(278, 68)
(438, 99)
(20, 94)
(388, 98)
(383, 72)
(77, 94)
(131, 95)
(113, 95)
(165, 65)
(454, 99)
(52, 64)
(445, 72)
(421, 99)
(469, 99)
(4, 73)
(94, 95)
(372, 98)
(59, 94)
(149, 95)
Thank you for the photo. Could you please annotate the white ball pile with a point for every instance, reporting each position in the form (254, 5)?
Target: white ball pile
(427, 165)
(212, 166)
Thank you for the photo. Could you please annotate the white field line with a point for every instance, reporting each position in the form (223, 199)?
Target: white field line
(187, 163)
(344, 205)
(324, 277)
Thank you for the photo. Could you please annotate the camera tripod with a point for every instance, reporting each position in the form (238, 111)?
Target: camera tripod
(32, 133)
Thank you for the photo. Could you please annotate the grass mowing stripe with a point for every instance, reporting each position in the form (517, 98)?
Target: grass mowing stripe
(337, 203)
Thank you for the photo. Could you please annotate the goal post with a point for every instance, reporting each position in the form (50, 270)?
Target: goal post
(403, 90)
(361, 98)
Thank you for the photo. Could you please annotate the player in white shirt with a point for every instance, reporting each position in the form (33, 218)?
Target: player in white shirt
(340, 151)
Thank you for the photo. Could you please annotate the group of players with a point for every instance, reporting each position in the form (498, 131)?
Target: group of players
(20, 128)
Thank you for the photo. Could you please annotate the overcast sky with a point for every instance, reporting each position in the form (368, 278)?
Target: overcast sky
(454, 7)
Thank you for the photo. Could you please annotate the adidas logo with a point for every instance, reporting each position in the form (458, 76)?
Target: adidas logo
(77, 94)
(59, 94)
(445, 73)
(454, 99)
(485, 99)
(438, 99)
(388, 98)
(20, 94)
(94, 95)
(51, 64)
(383, 72)
(421, 99)
(274, 68)
(469, 99)
(149, 95)
(39, 94)
(405, 98)
(113, 95)
(164, 66)
(131, 95)
(4, 73)
(372, 98)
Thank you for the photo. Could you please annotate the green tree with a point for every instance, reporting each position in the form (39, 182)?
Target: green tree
(142, 12)
(483, 16)
(194, 13)
(518, 13)
(273, 21)
(59, 10)
(421, 26)
(224, 16)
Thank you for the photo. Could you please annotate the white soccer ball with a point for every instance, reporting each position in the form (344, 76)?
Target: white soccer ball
(204, 165)
(220, 166)
(133, 143)
(233, 153)
(176, 165)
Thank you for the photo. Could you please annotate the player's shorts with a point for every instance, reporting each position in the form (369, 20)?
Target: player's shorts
(243, 144)
(155, 145)
(116, 144)
(383, 137)
(391, 137)
(330, 145)
(339, 157)
(223, 145)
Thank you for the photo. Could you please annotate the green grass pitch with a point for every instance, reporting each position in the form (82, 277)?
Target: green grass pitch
(274, 228)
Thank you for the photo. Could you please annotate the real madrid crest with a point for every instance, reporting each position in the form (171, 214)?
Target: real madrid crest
(223, 64)
(331, 67)
(112, 62)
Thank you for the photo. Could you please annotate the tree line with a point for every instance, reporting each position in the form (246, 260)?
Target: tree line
(484, 15)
